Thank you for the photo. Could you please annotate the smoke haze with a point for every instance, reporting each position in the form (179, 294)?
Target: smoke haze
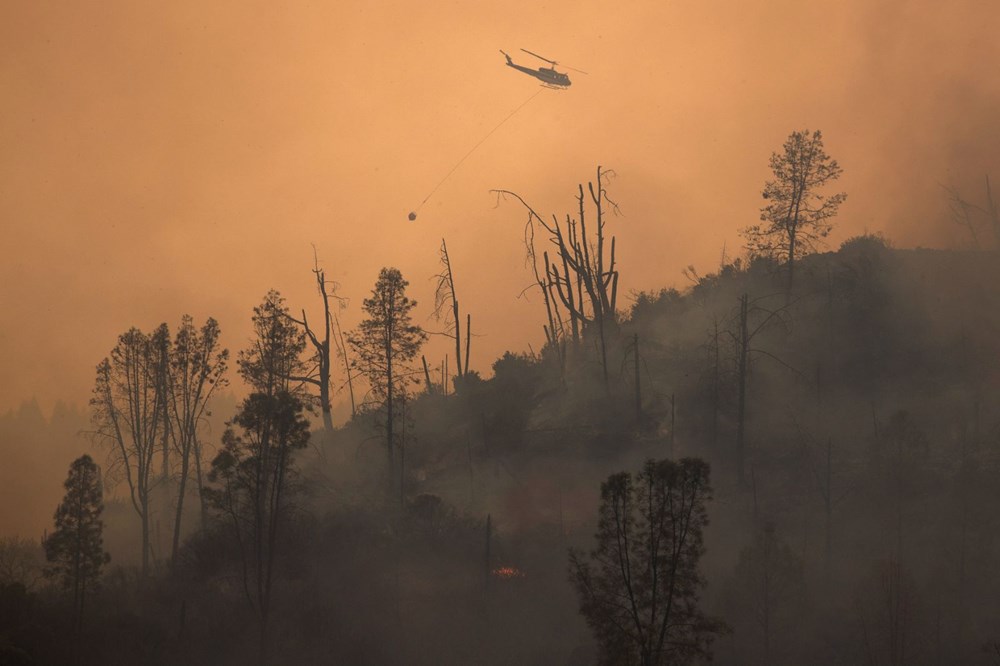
(170, 159)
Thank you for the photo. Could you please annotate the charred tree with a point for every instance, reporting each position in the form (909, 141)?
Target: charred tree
(319, 375)
(973, 216)
(446, 306)
(742, 358)
(743, 334)
(583, 276)
(341, 345)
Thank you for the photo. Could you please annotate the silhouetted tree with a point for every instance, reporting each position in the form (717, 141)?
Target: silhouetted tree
(583, 275)
(384, 343)
(445, 296)
(75, 549)
(768, 588)
(639, 588)
(797, 215)
(899, 461)
(973, 216)
(252, 476)
(128, 406)
(197, 369)
(888, 610)
(743, 333)
(273, 362)
(341, 346)
(319, 374)
(20, 562)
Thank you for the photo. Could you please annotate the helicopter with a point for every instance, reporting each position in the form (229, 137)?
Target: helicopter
(549, 77)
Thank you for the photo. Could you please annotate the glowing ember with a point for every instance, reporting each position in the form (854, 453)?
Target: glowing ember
(507, 573)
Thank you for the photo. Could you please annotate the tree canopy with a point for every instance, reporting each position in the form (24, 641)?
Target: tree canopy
(640, 587)
(797, 214)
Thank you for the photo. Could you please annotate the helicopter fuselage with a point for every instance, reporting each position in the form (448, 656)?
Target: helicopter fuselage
(547, 75)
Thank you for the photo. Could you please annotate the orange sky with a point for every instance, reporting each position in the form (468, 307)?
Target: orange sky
(181, 157)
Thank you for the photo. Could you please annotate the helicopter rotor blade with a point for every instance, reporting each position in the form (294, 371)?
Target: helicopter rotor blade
(552, 62)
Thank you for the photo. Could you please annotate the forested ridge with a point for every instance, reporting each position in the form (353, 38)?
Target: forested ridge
(841, 433)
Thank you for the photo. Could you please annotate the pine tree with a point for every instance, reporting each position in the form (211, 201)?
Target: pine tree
(253, 475)
(75, 550)
(383, 345)
(797, 216)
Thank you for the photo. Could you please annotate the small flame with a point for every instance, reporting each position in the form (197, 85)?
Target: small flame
(507, 573)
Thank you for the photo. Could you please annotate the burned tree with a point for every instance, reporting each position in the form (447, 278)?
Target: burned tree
(767, 589)
(319, 375)
(446, 298)
(974, 216)
(341, 345)
(819, 459)
(582, 275)
(743, 333)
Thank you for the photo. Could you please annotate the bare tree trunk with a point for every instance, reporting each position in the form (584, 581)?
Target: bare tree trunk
(472, 479)
(992, 212)
(427, 375)
(768, 535)
(604, 355)
(791, 260)
(321, 380)
(716, 380)
(389, 410)
(202, 504)
(165, 445)
(468, 339)
(347, 366)
(744, 343)
(828, 505)
(182, 487)
(673, 425)
(144, 501)
(638, 386)
(402, 454)
(489, 558)
(78, 581)
(458, 341)
(446, 292)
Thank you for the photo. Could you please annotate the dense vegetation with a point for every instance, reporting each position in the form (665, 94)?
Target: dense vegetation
(850, 421)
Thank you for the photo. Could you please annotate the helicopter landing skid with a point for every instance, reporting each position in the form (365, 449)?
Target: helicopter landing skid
(552, 87)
